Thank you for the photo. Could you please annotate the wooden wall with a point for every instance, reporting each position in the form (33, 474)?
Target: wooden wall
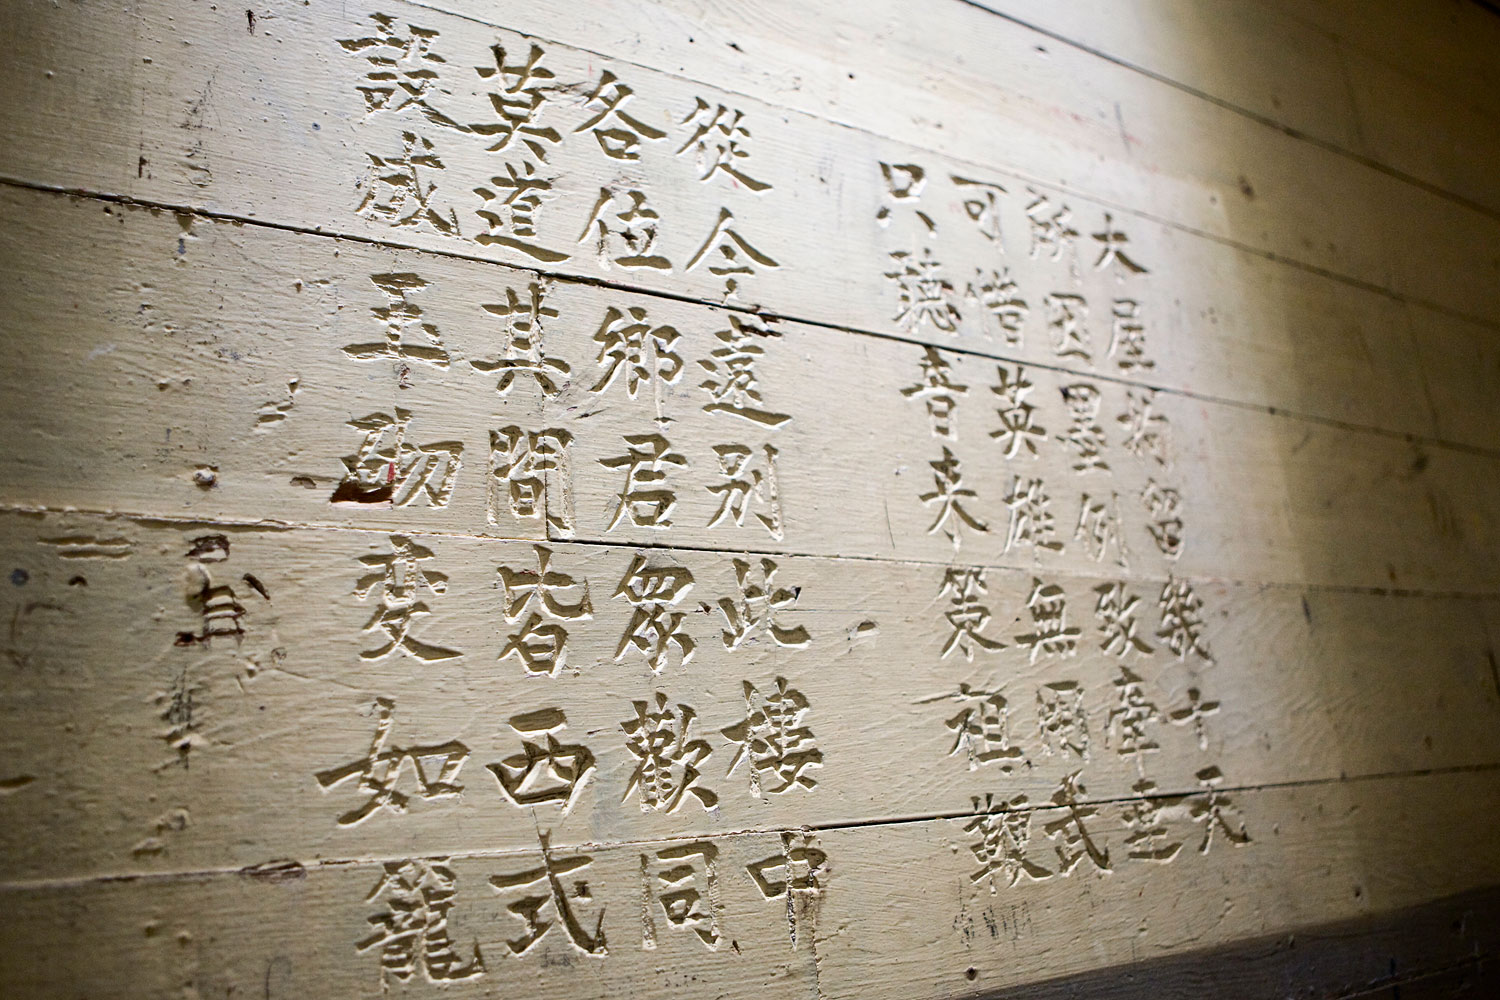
(667, 498)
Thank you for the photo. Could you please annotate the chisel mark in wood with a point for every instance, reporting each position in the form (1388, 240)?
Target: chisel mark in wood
(9, 786)
(89, 547)
(277, 871)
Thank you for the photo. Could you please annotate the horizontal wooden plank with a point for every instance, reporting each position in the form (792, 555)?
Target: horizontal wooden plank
(274, 693)
(1056, 111)
(1269, 336)
(580, 920)
(1439, 950)
(954, 81)
(365, 386)
(810, 912)
(1315, 854)
(1449, 46)
(1286, 71)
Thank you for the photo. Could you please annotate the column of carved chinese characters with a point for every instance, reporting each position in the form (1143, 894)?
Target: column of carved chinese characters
(404, 186)
(210, 593)
(529, 475)
(716, 139)
(949, 500)
(747, 483)
(392, 465)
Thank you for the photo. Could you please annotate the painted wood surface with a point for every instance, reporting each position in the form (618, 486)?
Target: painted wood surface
(873, 501)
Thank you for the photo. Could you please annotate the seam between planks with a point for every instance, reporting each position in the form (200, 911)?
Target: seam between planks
(150, 519)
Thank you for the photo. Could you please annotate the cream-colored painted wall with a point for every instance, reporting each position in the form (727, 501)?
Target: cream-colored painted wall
(680, 499)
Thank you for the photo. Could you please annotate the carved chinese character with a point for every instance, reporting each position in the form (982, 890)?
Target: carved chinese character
(645, 496)
(755, 612)
(1182, 620)
(653, 628)
(1030, 516)
(403, 70)
(541, 644)
(1072, 840)
(667, 758)
(398, 190)
(1113, 251)
(546, 769)
(545, 888)
(522, 466)
(1100, 528)
(774, 741)
(511, 206)
(924, 295)
(948, 493)
(1053, 635)
(628, 343)
(1115, 614)
(518, 103)
(435, 769)
(216, 603)
(399, 316)
(982, 205)
(1067, 316)
(797, 874)
(625, 237)
(732, 381)
(521, 343)
(1085, 438)
(1051, 231)
(684, 881)
(939, 392)
(904, 183)
(1148, 832)
(1164, 506)
(1145, 431)
(388, 468)
(716, 138)
(1004, 830)
(1001, 298)
(412, 932)
(1017, 426)
(1130, 716)
(981, 731)
(964, 587)
(618, 133)
(1212, 809)
(1127, 336)
(179, 710)
(746, 477)
(1194, 714)
(401, 580)
(1061, 719)
(729, 253)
